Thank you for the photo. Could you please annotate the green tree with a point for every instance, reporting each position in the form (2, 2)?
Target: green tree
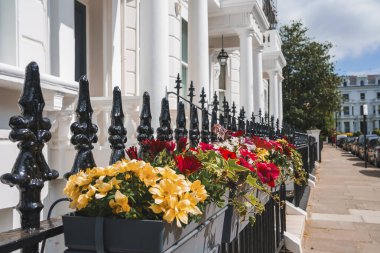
(310, 94)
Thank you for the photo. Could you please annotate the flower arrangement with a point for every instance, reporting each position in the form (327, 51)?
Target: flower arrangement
(135, 190)
(171, 181)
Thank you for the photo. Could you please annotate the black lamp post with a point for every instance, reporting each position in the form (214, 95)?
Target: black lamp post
(222, 58)
(365, 113)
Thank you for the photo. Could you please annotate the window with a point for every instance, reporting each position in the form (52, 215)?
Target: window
(361, 83)
(378, 109)
(374, 110)
(378, 82)
(184, 56)
(345, 97)
(362, 96)
(80, 40)
(346, 110)
(345, 83)
(346, 127)
(353, 111)
(378, 95)
(361, 110)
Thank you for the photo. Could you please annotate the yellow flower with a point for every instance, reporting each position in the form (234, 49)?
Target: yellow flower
(148, 174)
(82, 201)
(199, 190)
(120, 204)
(262, 154)
(102, 187)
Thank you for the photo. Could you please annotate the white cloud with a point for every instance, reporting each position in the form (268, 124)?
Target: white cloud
(352, 26)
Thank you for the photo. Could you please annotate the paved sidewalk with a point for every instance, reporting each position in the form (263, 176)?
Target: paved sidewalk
(344, 207)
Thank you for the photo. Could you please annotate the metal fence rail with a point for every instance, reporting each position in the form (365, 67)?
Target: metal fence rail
(30, 171)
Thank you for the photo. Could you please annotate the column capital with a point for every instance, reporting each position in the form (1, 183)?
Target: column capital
(248, 32)
(258, 48)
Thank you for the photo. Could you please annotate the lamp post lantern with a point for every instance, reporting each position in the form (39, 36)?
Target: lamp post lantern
(365, 113)
(222, 58)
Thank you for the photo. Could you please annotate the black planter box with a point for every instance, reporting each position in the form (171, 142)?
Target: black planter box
(234, 224)
(89, 234)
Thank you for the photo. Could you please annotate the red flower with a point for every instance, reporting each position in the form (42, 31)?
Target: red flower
(154, 147)
(247, 154)
(181, 144)
(268, 173)
(170, 146)
(188, 164)
(246, 164)
(238, 133)
(132, 153)
(206, 146)
(227, 154)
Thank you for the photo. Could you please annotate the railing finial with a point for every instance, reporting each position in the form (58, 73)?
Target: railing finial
(30, 170)
(203, 98)
(233, 123)
(191, 91)
(194, 127)
(164, 132)
(178, 86)
(241, 120)
(214, 116)
(145, 130)
(117, 131)
(84, 132)
(180, 131)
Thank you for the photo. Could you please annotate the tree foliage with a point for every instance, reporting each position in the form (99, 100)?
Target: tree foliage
(310, 94)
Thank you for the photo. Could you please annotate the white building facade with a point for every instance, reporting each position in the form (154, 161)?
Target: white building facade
(138, 45)
(357, 91)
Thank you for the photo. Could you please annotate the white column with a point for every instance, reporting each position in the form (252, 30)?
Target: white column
(273, 94)
(246, 71)
(280, 105)
(198, 45)
(154, 51)
(258, 87)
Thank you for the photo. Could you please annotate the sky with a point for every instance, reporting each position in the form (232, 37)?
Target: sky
(352, 26)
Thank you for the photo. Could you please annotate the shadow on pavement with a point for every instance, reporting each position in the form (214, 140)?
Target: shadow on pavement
(371, 173)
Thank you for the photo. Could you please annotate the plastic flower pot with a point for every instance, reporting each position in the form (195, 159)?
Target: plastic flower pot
(94, 234)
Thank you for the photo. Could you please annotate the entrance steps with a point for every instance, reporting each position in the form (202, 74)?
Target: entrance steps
(295, 226)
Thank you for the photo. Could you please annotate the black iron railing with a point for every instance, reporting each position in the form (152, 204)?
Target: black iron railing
(31, 170)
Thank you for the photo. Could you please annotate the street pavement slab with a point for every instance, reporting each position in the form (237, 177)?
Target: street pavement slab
(344, 206)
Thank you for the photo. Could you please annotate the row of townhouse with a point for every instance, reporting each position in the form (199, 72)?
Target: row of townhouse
(138, 45)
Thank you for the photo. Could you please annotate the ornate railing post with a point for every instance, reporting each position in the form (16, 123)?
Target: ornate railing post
(117, 131)
(84, 132)
(205, 133)
(271, 128)
(145, 130)
(30, 170)
(194, 127)
(214, 117)
(180, 131)
(233, 123)
(278, 129)
(241, 123)
(178, 87)
(164, 132)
